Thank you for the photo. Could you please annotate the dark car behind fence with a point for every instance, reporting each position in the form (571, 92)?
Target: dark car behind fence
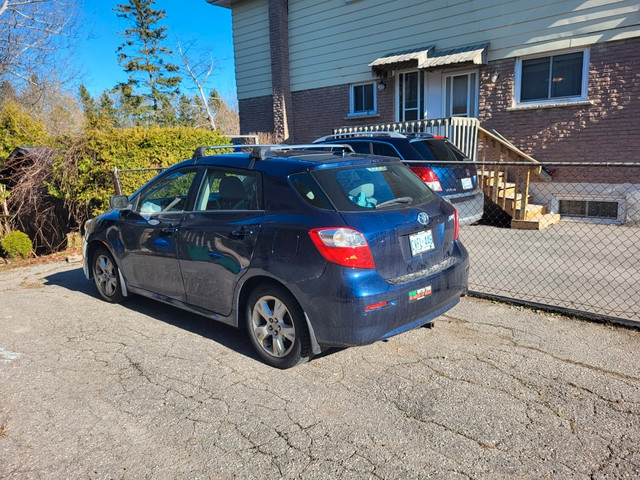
(585, 258)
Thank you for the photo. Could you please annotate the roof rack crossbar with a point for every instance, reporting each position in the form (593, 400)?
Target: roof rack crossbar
(262, 152)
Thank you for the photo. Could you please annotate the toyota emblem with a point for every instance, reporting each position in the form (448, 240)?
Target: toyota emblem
(423, 218)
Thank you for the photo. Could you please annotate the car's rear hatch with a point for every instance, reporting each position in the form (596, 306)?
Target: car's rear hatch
(410, 230)
(456, 176)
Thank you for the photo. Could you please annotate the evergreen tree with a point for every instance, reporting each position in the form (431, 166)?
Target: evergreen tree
(152, 84)
(88, 106)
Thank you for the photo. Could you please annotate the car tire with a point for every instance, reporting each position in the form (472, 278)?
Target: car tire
(276, 327)
(106, 276)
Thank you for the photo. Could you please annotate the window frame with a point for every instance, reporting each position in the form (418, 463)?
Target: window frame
(473, 92)
(352, 100)
(584, 90)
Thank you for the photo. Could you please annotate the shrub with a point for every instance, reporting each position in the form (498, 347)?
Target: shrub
(16, 244)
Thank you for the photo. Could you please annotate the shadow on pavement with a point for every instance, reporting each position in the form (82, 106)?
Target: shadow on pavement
(221, 333)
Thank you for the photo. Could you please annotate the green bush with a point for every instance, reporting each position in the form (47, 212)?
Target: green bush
(16, 244)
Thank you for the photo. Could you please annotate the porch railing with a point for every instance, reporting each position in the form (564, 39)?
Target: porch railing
(461, 131)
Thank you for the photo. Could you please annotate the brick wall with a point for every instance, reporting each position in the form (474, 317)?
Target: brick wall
(606, 130)
(256, 115)
(319, 110)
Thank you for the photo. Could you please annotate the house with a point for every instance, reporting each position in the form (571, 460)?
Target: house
(560, 80)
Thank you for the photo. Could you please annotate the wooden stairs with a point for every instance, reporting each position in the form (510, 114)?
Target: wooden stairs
(505, 172)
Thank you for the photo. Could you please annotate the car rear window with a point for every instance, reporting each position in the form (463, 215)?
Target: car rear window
(366, 187)
(438, 150)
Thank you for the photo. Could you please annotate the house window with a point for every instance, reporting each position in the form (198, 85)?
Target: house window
(552, 78)
(363, 99)
(592, 209)
(410, 96)
(461, 95)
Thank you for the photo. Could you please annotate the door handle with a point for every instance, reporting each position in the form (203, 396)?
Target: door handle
(168, 231)
(242, 232)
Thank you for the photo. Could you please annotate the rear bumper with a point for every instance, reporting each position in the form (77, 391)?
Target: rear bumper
(470, 206)
(338, 312)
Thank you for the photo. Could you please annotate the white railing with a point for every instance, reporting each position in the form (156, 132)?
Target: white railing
(461, 131)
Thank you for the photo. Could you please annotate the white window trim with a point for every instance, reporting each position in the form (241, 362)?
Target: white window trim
(421, 100)
(352, 103)
(621, 201)
(554, 102)
(476, 89)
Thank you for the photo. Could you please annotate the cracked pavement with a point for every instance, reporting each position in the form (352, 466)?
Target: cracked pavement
(143, 390)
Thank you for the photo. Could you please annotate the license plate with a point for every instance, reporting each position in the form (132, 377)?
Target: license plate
(421, 242)
(467, 183)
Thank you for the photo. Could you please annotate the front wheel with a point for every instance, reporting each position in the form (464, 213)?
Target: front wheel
(106, 277)
(276, 327)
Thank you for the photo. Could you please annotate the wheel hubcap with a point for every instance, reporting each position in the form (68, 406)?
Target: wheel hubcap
(105, 274)
(272, 326)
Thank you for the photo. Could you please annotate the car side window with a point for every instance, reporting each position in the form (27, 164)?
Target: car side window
(228, 190)
(361, 147)
(168, 194)
(385, 149)
(309, 190)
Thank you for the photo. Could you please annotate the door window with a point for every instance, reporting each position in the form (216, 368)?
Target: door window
(168, 194)
(410, 96)
(461, 93)
(228, 190)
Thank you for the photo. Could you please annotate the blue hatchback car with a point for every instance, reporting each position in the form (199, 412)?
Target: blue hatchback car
(306, 249)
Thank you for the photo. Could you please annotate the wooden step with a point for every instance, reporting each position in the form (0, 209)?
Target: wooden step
(533, 211)
(536, 223)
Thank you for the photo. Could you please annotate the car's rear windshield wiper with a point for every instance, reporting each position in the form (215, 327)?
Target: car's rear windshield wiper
(395, 201)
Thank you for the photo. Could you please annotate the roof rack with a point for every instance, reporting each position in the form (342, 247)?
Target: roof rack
(262, 152)
(377, 133)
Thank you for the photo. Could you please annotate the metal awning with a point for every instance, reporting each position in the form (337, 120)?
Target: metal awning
(428, 58)
(405, 59)
(473, 54)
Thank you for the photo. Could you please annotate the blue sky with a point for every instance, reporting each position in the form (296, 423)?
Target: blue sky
(195, 22)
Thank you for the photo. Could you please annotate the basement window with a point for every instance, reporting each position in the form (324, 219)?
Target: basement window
(598, 210)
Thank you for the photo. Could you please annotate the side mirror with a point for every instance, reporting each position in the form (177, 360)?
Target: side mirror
(119, 202)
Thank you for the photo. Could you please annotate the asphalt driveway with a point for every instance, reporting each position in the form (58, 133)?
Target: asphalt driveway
(142, 390)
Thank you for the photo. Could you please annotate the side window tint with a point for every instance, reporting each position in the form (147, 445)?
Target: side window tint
(307, 188)
(228, 190)
(385, 149)
(168, 194)
(361, 147)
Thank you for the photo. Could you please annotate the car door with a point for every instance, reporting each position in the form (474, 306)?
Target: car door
(217, 239)
(150, 233)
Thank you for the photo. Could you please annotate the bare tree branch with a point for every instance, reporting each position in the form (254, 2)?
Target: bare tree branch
(30, 30)
(195, 76)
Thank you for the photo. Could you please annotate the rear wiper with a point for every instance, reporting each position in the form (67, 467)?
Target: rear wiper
(395, 201)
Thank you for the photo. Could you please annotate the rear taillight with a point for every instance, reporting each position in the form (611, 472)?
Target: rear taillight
(456, 224)
(344, 246)
(429, 177)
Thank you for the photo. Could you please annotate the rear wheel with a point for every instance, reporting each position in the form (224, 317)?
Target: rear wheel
(106, 277)
(276, 327)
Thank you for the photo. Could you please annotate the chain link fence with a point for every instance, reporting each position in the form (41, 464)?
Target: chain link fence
(566, 237)
(576, 248)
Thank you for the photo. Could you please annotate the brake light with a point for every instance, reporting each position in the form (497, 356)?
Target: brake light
(456, 224)
(429, 177)
(344, 246)
(439, 137)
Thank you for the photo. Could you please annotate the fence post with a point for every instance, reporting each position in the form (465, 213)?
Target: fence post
(116, 181)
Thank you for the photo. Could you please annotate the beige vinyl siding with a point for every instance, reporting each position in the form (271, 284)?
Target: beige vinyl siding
(332, 41)
(251, 45)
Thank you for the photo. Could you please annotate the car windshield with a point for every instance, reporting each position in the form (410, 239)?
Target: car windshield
(366, 187)
(437, 150)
